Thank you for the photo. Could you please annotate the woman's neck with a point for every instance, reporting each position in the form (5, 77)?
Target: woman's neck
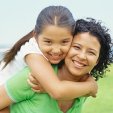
(64, 74)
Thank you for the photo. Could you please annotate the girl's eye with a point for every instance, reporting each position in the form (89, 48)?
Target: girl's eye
(65, 42)
(48, 42)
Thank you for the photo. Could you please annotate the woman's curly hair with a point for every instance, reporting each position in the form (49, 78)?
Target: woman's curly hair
(96, 29)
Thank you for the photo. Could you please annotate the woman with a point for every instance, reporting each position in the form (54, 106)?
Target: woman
(85, 56)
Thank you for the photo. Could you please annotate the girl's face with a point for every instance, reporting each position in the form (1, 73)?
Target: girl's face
(54, 42)
(83, 54)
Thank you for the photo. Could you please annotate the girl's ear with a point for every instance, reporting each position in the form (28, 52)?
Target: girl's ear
(34, 33)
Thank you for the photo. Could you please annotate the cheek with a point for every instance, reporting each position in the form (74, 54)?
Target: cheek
(45, 49)
(93, 63)
(65, 49)
(72, 52)
(96, 60)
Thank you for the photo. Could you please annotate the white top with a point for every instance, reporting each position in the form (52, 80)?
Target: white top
(19, 63)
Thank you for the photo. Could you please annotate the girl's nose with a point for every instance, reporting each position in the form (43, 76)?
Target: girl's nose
(56, 50)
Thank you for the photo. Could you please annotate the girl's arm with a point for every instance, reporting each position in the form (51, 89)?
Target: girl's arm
(60, 90)
(4, 98)
(36, 86)
(5, 110)
(16, 89)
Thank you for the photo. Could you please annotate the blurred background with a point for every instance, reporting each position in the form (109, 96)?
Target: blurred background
(18, 17)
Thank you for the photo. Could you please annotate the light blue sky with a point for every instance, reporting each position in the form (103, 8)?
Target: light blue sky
(17, 17)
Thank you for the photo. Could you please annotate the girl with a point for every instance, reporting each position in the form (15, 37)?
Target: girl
(85, 55)
(52, 39)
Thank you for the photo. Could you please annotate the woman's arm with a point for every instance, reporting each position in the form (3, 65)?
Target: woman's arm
(4, 98)
(61, 90)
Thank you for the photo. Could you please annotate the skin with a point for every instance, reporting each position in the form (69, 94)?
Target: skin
(73, 62)
(87, 50)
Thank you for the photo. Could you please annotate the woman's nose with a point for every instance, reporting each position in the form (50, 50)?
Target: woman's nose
(82, 55)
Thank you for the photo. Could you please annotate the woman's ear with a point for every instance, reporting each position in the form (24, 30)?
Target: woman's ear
(97, 62)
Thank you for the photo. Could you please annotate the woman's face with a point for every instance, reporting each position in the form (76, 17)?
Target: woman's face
(83, 54)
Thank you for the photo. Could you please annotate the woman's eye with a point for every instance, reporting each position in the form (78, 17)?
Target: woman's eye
(91, 53)
(77, 47)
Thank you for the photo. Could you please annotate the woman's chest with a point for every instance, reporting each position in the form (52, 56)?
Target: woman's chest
(65, 105)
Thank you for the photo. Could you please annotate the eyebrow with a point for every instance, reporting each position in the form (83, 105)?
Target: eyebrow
(49, 39)
(93, 50)
(89, 48)
(67, 39)
(45, 38)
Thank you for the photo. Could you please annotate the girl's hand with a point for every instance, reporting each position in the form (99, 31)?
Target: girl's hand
(5, 110)
(94, 86)
(34, 83)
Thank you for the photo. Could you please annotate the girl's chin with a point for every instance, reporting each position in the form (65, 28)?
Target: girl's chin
(55, 62)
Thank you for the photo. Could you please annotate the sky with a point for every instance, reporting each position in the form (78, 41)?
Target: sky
(18, 17)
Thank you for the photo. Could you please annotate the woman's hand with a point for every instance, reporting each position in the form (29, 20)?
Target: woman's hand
(35, 85)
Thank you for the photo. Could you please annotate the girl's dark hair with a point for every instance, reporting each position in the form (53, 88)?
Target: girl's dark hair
(10, 54)
(101, 33)
(52, 15)
(55, 15)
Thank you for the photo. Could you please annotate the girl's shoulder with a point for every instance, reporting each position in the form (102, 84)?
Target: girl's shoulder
(28, 48)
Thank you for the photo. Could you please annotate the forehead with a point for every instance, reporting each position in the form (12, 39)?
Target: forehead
(87, 39)
(55, 30)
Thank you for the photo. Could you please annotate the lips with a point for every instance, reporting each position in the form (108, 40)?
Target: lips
(79, 64)
(55, 57)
